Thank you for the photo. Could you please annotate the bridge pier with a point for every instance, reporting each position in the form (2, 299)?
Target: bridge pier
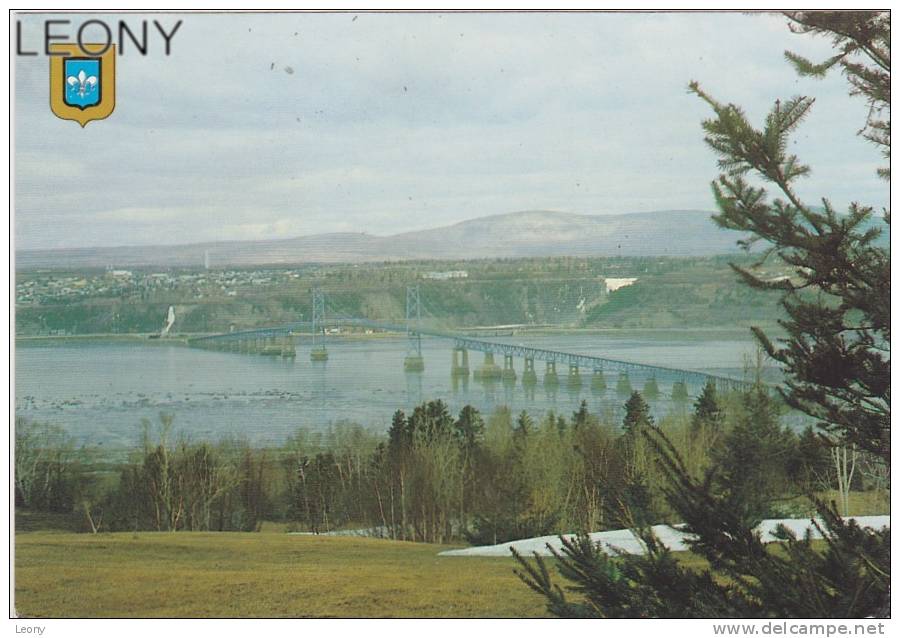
(279, 341)
(574, 378)
(529, 376)
(414, 363)
(623, 385)
(460, 365)
(271, 348)
(598, 382)
(651, 389)
(509, 372)
(551, 380)
(488, 371)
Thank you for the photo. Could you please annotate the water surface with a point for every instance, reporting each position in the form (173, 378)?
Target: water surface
(100, 391)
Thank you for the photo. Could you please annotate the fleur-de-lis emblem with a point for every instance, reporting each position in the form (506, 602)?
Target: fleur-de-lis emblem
(82, 87)
(83, 82)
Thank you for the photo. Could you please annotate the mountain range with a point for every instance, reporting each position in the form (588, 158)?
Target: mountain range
(536, 233)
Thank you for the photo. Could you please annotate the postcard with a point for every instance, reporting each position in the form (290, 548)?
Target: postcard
(438, 314)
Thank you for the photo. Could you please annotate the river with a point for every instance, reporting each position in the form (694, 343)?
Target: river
(100, 391)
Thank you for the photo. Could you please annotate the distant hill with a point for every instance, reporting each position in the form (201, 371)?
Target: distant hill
(545, 233)
(520, 234)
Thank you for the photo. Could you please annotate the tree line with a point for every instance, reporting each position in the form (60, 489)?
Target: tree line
(437, 477)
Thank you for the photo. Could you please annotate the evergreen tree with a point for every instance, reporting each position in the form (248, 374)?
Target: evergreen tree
(707, 413)
(524, 425)
(637, 414)
(469, 428)
(399, 434)
(754, 459)
(812, 463)
(634, 500)
(430, 420)
(849, 579)
(837, 364)
(836, 354)
(581, 416)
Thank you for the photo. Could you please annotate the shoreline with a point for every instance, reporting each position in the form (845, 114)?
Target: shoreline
(483, 332)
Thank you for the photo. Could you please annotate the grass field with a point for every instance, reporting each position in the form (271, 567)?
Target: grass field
(257, 575)
(61, 574)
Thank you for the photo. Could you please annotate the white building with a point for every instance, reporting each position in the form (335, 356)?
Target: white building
(446, 274)
(614, 283)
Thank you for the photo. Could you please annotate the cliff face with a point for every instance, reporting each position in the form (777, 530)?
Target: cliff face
(472, 303)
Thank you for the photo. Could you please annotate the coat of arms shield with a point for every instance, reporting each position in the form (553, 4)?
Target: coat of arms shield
(82, 84)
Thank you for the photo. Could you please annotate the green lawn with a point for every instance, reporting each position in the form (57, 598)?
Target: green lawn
(147, 574)
(269, 574)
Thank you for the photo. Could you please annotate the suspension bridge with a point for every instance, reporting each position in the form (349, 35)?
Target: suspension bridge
(282, 341)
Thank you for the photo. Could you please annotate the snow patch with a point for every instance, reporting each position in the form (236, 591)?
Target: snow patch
(625, 541)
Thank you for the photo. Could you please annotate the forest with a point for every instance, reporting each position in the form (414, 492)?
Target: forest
(436, 477)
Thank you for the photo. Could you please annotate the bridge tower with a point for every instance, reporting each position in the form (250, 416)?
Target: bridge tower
(413, 361)
(319, 352)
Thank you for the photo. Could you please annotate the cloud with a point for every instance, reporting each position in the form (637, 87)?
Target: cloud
(397, 122)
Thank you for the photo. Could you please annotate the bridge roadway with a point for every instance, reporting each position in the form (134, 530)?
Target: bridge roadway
(585, 362)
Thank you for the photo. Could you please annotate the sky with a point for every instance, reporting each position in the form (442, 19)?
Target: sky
(281, 125)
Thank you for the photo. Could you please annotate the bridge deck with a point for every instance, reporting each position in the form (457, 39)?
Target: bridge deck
(588, 362)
